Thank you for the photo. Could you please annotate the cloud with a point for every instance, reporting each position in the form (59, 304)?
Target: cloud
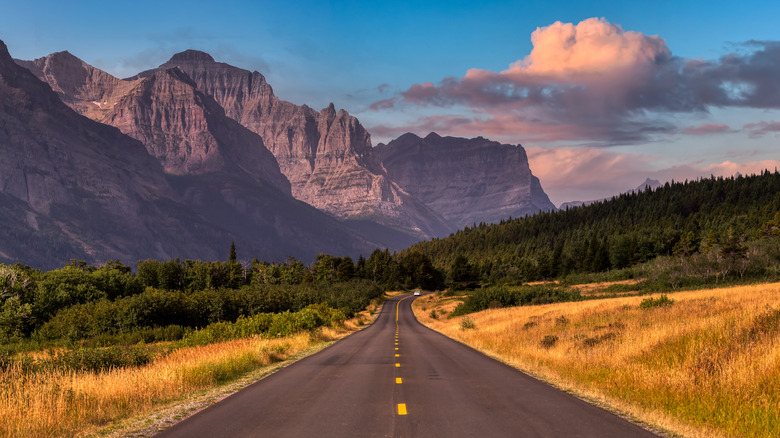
(383, 104)
(595, 73)
(707, 129)
(584, 174)
(762, 128)
(507, 127)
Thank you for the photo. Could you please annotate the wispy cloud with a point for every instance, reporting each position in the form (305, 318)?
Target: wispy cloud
(762, 128)
(707, 129)
(596, 82)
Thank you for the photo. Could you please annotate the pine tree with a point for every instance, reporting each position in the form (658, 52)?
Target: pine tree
(233, 257)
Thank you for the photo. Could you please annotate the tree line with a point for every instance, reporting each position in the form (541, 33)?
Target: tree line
(80, 300)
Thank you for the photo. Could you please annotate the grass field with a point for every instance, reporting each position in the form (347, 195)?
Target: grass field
(704, 363)
(72, 403)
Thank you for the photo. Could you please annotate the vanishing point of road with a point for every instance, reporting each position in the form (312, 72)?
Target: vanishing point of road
(397, 378)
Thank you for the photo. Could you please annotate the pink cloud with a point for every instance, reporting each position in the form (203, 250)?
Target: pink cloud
(383, 104)
(604, 84)
(762, 128)
(707, 129)
(592, 47)
(584, 174)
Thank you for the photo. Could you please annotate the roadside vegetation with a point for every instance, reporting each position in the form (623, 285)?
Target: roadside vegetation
(85, 347)
(701, 363)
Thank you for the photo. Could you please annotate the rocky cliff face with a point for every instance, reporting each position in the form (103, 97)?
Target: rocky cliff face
(326, 155)
(74, 188)
(71, 187)
(188, 131)
(89, 91)
(465, 180)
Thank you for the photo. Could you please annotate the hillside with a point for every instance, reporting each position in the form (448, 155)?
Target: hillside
(682, 218)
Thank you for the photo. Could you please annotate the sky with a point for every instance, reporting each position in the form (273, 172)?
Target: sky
(601, 94)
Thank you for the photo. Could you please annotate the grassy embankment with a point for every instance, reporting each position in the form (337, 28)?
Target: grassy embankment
(76, 403)
(706, 365)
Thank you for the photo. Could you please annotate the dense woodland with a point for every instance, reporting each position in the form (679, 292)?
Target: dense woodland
(163, 300)
(713, 228)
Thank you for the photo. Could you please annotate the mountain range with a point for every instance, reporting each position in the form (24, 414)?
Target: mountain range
(179, 160)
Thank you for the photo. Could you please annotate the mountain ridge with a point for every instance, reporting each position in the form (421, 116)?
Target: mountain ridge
(71, 187)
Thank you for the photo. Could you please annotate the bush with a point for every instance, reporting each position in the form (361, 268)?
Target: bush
(467, 323)
(501, 296)
(100, 359)
(548, 341)
(662, 301)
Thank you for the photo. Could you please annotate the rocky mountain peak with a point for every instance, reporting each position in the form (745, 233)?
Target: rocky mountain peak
(191, 56)
(176, 74)
(464, 180)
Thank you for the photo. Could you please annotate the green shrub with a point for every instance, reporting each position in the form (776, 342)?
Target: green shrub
(100, 359)
(662, 301)
(467, 323)
(501, 296)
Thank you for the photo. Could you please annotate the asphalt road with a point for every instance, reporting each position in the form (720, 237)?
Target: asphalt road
(397, 378)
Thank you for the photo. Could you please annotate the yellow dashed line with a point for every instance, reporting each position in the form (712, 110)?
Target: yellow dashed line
(398, 365)
(398, 380)
(401, 408)
(396, 348)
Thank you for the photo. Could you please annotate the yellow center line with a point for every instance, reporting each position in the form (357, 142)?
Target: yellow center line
(396, 348)
(398, 380)
(398, 365)
(397, 355)
(401, 408)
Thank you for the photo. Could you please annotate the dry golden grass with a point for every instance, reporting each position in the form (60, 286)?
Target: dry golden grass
(707, 366)
(61, 403)
(596, 289)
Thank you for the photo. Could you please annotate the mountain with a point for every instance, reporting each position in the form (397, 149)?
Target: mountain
(71, 187)
(189, 132)
(467, 181)
(75, 188)
(200, 117)
(651, 184)
(89, 91)
(326, 155)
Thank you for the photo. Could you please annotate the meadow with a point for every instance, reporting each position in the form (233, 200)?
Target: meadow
(702, 363)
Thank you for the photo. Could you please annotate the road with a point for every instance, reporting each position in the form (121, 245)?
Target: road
(397, 378)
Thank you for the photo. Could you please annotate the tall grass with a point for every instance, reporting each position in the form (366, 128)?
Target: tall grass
(59, 402)
(707, 364)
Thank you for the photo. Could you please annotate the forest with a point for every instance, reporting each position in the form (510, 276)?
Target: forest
(709, 230)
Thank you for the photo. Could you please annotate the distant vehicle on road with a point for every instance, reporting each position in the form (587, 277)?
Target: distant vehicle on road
(417, 292)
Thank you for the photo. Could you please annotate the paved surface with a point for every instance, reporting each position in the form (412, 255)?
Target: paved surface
(398, 378)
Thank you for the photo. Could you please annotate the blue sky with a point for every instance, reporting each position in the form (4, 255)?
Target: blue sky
(389, 64)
